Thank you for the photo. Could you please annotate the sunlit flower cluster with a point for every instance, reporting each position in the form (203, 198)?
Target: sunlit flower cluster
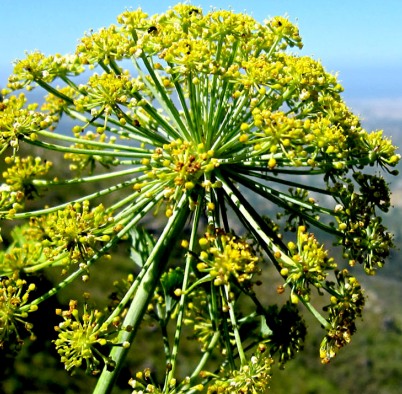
(309, 263)
(23, 171)
(18, 120)
(79, 338)
(227, 255)
(254, 377)
(100, 46)
(71, 235)
(37, 68)
(180, 164)
(209, 122)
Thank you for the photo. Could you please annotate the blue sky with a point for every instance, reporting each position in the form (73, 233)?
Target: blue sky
(360, 39)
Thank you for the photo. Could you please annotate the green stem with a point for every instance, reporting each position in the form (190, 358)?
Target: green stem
(256, 226)
(235, 326)
(111, 189)
(205, 357)
(261, 174)
(183, 102)
(129, 130)
(102, 145)
(90, 152)
(197, 107)
(54, 91)
(316, 314)
(156, 261)
(95, 178)
(133, 288)
(183, 297)
(163, 99)
(289, 203)
(267, 238)
(222, 322)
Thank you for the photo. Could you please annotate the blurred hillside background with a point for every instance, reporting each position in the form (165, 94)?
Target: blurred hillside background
(361, 40)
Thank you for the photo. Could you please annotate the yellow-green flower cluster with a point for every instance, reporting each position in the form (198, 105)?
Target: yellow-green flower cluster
(343, 311)
(312, 142)
(103, 45)
(55, 106)
(381, 149)
(23, 254)
(226, 257)
(308, 264)
(251, 378)
(72, 234)
(180, 164)
(105, 92)
(15, 294)
(37, 67)
(10, 200)
(286, 30)
(18, 120)
(289, 77)
(23, 171)
(80, 336)
(193, 42)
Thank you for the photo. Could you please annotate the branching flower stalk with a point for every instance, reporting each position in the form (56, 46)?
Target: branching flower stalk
(244, 152)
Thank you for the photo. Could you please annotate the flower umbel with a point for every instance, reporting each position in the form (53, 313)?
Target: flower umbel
(80, 338)
(346, 306)
(14, 295)
(73, 233)
(207, 118)
(226, 255)
(309, 263)
(251, 378)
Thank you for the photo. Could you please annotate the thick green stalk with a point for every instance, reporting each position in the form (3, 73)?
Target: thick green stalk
(157, 262)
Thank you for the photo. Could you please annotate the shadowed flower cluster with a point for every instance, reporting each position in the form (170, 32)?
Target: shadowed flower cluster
(14, 309)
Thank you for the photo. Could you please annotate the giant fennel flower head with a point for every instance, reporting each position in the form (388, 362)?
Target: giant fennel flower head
(243, 149)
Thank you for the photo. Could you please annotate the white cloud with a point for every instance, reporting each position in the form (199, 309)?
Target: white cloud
(377, 108)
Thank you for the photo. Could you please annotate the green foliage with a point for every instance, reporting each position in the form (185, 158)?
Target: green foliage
(181, 116)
